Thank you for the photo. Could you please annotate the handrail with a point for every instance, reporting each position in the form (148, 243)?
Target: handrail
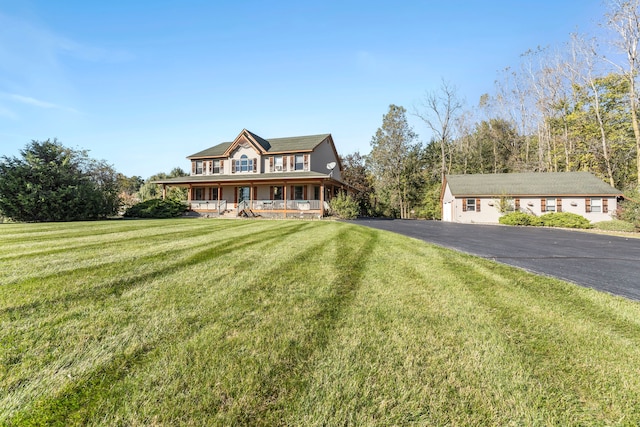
(222, 206)
(242, 206)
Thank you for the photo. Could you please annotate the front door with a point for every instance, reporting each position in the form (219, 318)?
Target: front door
(244, 193)
(446, 211)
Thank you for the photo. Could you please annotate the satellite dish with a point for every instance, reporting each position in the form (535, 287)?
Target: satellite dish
(331, 165)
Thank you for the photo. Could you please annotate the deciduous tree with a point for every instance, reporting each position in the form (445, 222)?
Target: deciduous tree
(438, 112)
(624, 20)
(355, 174)
(149, 190)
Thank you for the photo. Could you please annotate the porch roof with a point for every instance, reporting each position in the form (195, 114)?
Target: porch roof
(243, 177)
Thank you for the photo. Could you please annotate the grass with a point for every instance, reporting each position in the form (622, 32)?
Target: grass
(615, 225)
(205, 322)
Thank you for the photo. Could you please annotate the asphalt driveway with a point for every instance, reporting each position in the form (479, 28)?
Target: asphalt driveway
(607, 263)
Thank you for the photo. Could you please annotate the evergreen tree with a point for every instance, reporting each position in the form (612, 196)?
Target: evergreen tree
(389, 161)
(53, 183)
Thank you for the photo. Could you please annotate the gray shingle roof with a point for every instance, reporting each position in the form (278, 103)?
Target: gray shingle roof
(273, 145)
(530, 184)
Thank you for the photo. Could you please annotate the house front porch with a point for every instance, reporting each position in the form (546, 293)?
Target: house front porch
(276, 199)
(259, 208)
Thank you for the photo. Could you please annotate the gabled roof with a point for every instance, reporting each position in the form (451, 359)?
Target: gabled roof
(530, 184)
(294, 144)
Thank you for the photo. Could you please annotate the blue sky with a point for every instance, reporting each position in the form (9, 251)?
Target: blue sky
(143, 84)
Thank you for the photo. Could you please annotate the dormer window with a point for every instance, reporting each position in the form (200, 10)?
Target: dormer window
(244, 164)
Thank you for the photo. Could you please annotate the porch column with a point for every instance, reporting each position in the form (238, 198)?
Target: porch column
(189, 193)
(164, 191)
(321, 199)
(284, 196)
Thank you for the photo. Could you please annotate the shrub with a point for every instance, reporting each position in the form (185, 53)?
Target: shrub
(565, 220)
(156, 208)
(505, 204)
(344, 206)
(629, 209)
(615, 225)
(519, 218)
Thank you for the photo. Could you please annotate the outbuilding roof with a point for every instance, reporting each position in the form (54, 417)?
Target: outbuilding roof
(530, 184)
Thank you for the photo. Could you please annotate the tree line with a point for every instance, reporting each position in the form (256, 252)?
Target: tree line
(573, 108)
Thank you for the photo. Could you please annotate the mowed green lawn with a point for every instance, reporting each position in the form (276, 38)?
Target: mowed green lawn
(213, 322)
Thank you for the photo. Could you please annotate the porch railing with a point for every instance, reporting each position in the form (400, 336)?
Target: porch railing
(208, 205)
(256, 205)
(279, 205)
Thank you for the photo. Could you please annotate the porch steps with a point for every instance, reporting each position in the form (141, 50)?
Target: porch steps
(228, 214)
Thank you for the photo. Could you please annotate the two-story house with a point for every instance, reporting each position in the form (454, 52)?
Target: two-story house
(281, 177)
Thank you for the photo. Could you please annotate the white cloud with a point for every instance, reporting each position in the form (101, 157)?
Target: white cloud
(91, 53)
(32, 61)
(24, 39)
(38, 103)
(6, 113)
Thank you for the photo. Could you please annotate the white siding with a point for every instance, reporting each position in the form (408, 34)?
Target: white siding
(237, 154)
(489, 213)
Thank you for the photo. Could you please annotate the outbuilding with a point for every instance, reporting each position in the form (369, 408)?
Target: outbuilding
(483, 198)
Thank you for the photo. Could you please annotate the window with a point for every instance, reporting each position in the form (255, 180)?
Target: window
(596, 205)
(198, 194)
(298, 192)
(299, 162)
(471, 205)
(216, 166)
(244, 164)
(316, 192)
(551, 205)
(214, 193)
(199, 167)
(278, 163)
